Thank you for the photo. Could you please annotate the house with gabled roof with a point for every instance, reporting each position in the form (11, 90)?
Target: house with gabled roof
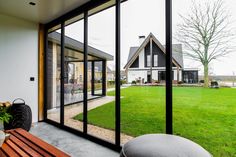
(97, 70)
(146, 63)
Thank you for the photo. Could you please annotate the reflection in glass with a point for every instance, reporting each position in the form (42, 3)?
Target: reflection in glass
(101, 111)
(53, 75)
(74, 72)
(98, 70)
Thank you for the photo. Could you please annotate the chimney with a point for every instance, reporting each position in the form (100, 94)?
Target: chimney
(141, 39)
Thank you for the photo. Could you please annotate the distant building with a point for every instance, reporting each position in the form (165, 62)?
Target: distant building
(147, 65)
(74, 70)
(110, 74)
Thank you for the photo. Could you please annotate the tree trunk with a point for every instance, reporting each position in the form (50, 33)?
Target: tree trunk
(206, 76)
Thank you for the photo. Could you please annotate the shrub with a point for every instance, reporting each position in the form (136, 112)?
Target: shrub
(111, 82)
(4, 114)
(201, 81)
(122, 82)
(133, 82)
(97, 81)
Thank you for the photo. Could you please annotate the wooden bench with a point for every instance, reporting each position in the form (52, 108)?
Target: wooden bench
(23, 144)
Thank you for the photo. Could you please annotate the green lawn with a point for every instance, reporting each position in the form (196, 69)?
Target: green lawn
(206, 116)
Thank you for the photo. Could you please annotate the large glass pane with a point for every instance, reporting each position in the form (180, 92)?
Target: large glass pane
(142, 68)
(98, 70)
(54, 74)
(101, 32)
(204, 99)
(74, 72)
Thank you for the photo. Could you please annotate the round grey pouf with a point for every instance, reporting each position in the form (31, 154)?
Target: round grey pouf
(162, 145)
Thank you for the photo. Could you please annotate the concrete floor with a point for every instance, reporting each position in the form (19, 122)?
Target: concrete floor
(73, 145)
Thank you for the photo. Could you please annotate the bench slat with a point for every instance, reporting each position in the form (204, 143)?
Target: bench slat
(16, 148)
(32, 145)
(25, 147)
(9, 151)
(49, 149)
(2, 154)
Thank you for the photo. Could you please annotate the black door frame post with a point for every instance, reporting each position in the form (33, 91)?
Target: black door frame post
(62, 102)
(104, 77)
(85, 108)
(93, 77)
(169, 103)
(117, 86)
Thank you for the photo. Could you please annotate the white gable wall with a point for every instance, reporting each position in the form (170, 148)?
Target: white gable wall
(141, 59)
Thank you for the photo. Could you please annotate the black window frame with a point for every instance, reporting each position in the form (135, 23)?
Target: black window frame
(84, 9)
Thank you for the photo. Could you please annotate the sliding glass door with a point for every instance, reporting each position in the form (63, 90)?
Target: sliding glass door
(74, 72)
(77, 65)
(97, 89)
(101, 36)
(143, 63)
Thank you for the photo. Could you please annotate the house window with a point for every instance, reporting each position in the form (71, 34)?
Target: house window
(155, 60)
(190, 77)
(148, 60)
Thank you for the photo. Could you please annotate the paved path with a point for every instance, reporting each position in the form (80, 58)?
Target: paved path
(72, 110)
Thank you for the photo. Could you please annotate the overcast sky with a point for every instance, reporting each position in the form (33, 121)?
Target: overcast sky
(140, 17)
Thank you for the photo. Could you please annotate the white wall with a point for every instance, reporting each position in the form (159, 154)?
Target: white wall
(175, 75)
(180, 75)
(155, 75)
(141, 59)
(134, 75)
(19, 61)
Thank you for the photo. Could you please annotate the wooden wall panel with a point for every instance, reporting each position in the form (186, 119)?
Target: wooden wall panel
(41, 59)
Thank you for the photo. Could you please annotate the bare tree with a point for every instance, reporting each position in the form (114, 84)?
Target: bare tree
(206, 34)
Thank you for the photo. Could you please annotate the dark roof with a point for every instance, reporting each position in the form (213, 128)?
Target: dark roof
(77, 45)
(132, 51)
(177, 52)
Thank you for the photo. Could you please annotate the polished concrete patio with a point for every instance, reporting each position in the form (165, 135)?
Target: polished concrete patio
(74, 145)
